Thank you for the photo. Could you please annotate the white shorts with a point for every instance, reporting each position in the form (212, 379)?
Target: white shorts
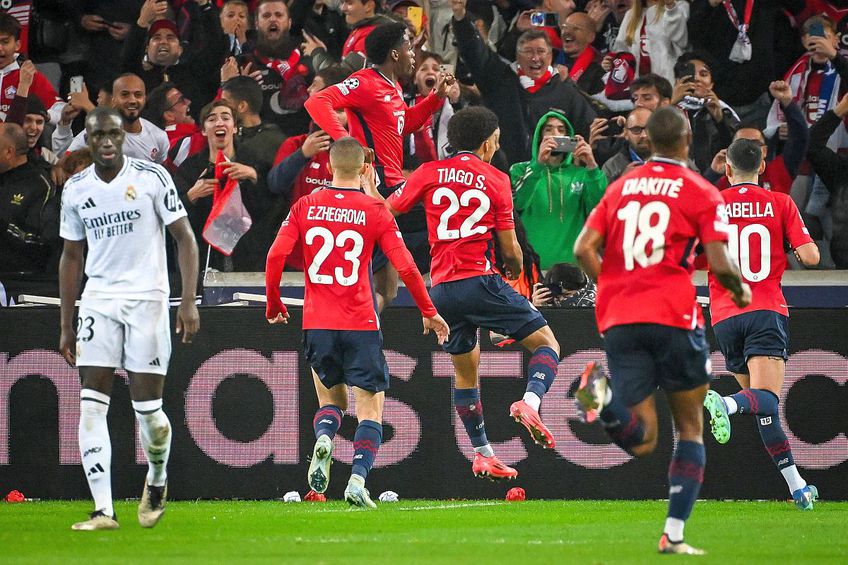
(130, 334)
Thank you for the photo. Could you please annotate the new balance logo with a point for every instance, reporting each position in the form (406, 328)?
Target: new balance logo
(765, 421)
(88, 204)
(96, 469)
(325, 421)
(540, 376)
(155, 363)
(675, 489)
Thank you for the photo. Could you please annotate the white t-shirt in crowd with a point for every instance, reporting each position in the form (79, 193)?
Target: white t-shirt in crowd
(150, 144)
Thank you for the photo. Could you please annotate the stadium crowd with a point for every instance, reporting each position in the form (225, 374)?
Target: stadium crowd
(217, 91)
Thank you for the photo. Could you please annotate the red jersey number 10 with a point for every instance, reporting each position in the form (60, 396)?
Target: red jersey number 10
(327, 244)
(739, 247)
(643, 225)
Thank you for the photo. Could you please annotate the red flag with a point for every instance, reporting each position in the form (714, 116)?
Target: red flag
(229, 219)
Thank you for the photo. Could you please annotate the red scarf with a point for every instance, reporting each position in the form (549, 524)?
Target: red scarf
(582, 63)
(285, 68)
(644, 49)
(533, 85)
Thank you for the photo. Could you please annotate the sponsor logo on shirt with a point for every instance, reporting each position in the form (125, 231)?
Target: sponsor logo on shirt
(17, 199)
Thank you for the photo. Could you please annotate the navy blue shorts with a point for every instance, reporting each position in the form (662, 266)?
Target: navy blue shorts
(351, 357)
(642, 357)
(761, 332)
(485, 301)
(419, 246)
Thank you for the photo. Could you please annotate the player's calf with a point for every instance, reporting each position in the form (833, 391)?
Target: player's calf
(541, 372)
(685, 476)
(96, 453)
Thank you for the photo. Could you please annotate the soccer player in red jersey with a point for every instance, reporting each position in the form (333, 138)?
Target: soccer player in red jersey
(646, 226)
(754, 339)
(379, 119)
(337, 228)
(466, 199)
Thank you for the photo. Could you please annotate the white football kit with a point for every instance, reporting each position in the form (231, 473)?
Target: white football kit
(123, 315)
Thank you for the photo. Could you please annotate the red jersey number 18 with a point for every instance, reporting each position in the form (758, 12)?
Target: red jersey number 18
(641, 228)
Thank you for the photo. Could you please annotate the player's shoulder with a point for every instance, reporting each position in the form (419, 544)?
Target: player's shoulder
(77, 182)
(141, 167)
(363, 79)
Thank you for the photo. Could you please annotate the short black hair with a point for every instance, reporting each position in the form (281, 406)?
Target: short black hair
(245, 89)
(470, 127)
(571, 277)
(667, 129)
(10, 25)
(745, 156)
(690, 56)
(652, 80)
(333, 74)
(382, 40)
(157, 102)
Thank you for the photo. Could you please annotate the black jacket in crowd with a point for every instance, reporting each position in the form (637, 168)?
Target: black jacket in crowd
(832, 168)
(29, 219)
(517, 109)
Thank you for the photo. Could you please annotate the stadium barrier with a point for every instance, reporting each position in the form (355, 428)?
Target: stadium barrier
(241, 403)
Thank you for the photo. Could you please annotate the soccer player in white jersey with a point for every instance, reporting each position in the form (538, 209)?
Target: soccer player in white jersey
(119, 207)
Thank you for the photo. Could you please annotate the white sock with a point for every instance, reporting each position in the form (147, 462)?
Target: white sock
(607, 395)
(533, 400)
(674, 529)
(793, 478)
(96, 448)
(732, 407)
(155, 432)
(485, 450)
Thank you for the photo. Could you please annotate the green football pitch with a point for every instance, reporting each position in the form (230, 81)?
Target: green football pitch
(418, 531)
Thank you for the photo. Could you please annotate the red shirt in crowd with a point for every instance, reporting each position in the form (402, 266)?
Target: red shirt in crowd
(337, 229)
(651, 220)
(465, 199)
(775, 178)
(760, 223)
(355, 42)
(377, 116)
(10, 76)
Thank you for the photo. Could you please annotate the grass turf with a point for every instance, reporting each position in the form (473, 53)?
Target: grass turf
(424, 532)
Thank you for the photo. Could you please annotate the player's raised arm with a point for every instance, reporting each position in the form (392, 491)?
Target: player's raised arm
(188, 319)
(323, 105)
(70, 279)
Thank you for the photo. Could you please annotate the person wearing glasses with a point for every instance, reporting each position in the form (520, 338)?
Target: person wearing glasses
(636, 149)
(582, 60)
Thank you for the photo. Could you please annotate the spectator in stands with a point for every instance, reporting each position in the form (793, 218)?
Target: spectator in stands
(256, 139)
(143, 140)
(153, 51)
(300, 166)
(321, 25)
(607, 15)
(168, 108)
(832, 168)
(10, 45)
(430, 142)
(581, 58)
(236, 24)
(555, 191)
(714, 27)
(283, 73)
(360, 16)
(522, 92)
(650, 91)
(782, 166)
(713, 122)
(419, 30)
(29, 226)
(635, 151)
(105, 24)
(195, 180)
(521, 23)
(565, 286)
(34, 121)
(654, 31)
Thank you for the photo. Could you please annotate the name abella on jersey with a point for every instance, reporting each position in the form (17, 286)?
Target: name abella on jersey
(649, 186)
(462, 177)
(749, 210)
(333, 214)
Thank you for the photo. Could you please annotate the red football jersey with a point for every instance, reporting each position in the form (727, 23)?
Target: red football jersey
(760, 224)
(10, 76)
(376, 115)
(775, 178)
(651, 219)
(465, 199)
(337, 229)
(355, 42)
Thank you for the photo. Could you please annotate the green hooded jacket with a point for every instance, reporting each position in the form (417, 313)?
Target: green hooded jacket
(554, 201)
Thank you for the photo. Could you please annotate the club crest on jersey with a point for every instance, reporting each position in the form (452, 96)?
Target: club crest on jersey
(153, 153)
(130, 194)
(10, 92)
(339, 196)
(387, 98)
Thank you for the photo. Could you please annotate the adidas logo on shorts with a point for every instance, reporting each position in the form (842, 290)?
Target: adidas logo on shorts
(88, 204)
(155, 363)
